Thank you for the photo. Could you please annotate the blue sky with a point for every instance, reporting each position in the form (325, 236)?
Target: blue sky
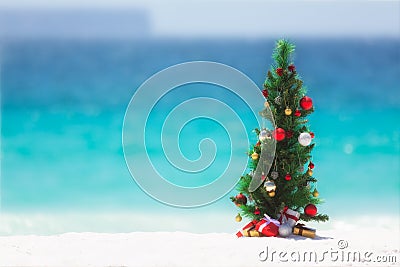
(242, 18)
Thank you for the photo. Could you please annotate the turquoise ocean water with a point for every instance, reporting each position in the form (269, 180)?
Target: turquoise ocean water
(63, 104)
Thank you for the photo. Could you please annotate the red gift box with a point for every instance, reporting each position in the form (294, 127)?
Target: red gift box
(248, 226)
(268, 226)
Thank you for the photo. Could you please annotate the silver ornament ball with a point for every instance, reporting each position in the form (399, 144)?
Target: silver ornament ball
(278, 100)
(263, 135)
(285, 230)
(304, 139)
(274, 175)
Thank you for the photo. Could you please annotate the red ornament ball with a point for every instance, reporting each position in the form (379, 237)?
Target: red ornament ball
(297, 113)
(312, 134)
(265, 93)
(291, 68)
(257, 211)
(311, 165)
(288, 177)
(310, 210)
(278, 134)
(289, 134)
(279, 71)
(306, 103)
(241, 199)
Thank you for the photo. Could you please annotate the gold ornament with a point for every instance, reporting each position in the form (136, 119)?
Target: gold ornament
(266, 104)
(238, 218)
(254, 156)
(271, 194)
(315, 193)
(310, 172)
(288, 111)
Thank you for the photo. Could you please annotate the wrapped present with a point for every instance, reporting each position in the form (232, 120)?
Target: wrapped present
(300, 229)
(252, 233)
(249, 230)
(290, 216)
(268, 226)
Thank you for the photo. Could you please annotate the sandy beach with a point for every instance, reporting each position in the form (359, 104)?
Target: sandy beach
(359, 246)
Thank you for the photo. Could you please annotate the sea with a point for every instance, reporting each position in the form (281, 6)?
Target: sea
(63, 104)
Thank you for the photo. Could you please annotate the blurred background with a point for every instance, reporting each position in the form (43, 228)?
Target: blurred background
(69, 69)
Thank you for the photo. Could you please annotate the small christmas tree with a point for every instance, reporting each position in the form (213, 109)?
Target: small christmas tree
(287, 183)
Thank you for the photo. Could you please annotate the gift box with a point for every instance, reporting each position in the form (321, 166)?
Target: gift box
(268, 226)
(249, 230)
(252, 232)
(300, 229)
(289, 216)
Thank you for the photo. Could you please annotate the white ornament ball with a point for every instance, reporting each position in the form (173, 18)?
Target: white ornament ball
(269, 185)
(285, 230)
(305, 139)
(278, 100)
(263, 135)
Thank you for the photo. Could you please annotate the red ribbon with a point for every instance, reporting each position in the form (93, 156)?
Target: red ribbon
(251, 224)
(288, 216)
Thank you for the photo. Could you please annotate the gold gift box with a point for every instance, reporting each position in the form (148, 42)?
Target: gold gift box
(300, 229)
(251, 232)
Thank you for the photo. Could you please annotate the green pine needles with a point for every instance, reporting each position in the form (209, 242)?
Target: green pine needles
(292, 167)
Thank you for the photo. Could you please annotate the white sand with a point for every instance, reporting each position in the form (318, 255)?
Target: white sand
(186, 249)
